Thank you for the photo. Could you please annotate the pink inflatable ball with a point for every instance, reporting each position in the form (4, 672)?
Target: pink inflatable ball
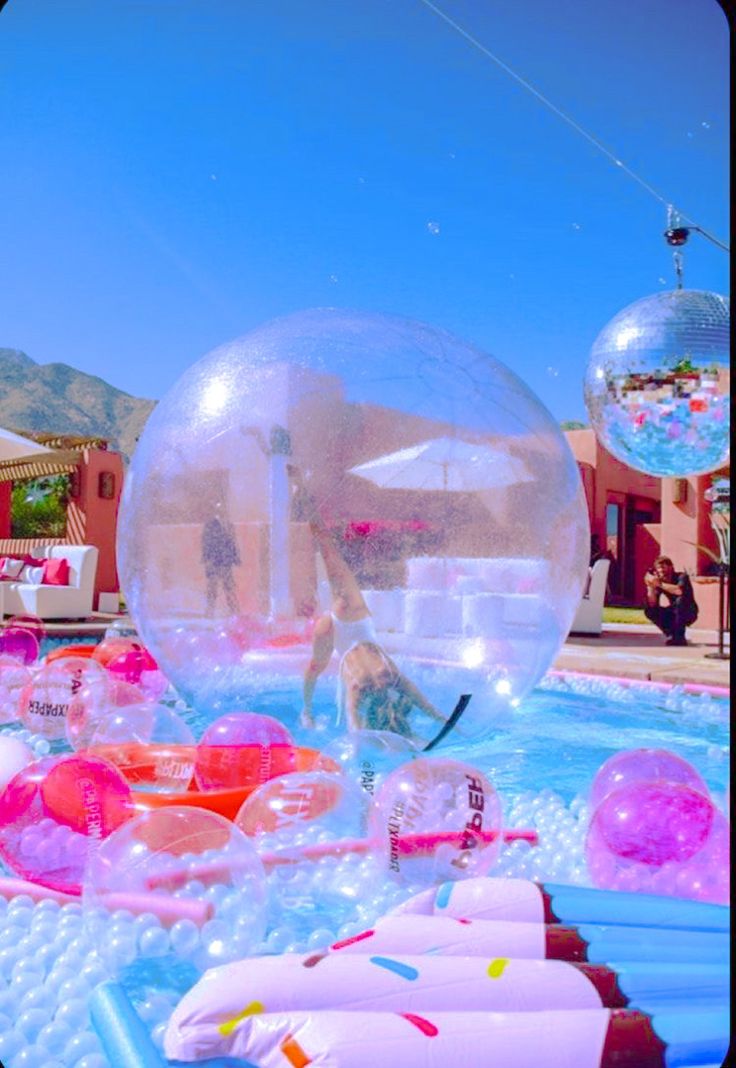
(44, 702)
(241, 748)
(437, 820)
(14, 756)
(113, 646)
(659, 837)
(54, 812)
(29, 622)
(192, 860)
(138, 668)
(14, 678)
(19, 644)
(99, 697)
(643, 765)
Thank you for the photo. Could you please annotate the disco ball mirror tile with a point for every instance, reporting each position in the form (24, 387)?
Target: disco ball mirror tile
(658, 383)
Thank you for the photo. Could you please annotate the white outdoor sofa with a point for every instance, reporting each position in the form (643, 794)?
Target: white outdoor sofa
(55, 602)
(589, 616)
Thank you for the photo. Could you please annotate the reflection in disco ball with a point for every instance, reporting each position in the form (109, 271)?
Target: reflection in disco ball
(329, 452)
(657, 384)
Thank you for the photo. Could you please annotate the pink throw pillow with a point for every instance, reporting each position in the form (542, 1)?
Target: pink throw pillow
(56, 572)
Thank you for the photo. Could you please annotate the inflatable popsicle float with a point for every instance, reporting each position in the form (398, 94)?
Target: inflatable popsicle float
(422, 989)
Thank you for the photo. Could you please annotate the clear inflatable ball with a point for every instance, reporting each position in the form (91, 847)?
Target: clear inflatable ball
(643, 765)
(437, 820)
(193, 872)
(341, 468)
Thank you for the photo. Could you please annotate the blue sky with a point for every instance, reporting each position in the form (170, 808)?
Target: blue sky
(176, 172)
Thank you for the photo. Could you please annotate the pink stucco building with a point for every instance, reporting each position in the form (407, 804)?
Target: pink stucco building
(638, 517)
(635, 516)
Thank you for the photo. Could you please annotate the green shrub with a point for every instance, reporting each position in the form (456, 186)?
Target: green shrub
(40, 516)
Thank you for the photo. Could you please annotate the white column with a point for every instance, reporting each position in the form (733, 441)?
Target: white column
(279, 556)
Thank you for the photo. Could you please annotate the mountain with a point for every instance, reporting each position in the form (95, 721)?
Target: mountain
(55, 397)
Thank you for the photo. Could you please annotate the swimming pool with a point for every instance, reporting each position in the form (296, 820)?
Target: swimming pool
(541, 758)
(555, 740)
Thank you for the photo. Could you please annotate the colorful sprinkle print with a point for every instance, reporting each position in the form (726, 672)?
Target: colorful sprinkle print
(313, 961)
(497, 967)
(404, 970)
(351, 941)
(229, 1026)
(442, 898)
(424, 1026)
(294, 1053)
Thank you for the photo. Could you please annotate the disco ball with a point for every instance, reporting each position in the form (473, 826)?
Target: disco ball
(657, 384)
(378, 477)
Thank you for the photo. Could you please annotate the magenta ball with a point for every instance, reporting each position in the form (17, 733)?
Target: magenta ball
(659, 837)
(643, 765)
(246, 728)
(243, 748)
(54, 813)
(20, 644)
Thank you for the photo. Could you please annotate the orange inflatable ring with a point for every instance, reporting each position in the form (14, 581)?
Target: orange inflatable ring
(141, 764)
(84, 651)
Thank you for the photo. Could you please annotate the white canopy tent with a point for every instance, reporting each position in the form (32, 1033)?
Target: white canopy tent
(15, 447)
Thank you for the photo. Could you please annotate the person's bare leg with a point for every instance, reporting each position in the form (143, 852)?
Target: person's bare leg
(228, 584)
(211, 593)
(347, 598)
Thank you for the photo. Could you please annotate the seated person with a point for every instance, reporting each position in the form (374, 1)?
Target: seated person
(372, 692)
(680, 609)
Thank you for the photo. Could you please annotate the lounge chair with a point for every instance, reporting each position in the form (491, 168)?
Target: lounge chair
(589, 616)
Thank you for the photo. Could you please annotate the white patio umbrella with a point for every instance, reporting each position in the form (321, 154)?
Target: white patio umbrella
(15, 447)
(446, 463)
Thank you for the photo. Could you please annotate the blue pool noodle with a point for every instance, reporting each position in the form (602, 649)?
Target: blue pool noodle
(613, 945)
(673, 984)
(694, 1039)
(580, 904)
(121, 1032)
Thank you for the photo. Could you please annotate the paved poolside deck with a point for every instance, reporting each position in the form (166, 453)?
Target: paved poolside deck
(633, 651)
(638, 651)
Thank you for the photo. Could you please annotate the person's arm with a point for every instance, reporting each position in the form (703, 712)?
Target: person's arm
(323, 645)
(674, 589)
(653, 588)
(415, 695)
(352, 715)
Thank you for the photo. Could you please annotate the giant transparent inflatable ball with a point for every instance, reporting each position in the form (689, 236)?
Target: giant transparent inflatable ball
(657, 386)
(374, 473)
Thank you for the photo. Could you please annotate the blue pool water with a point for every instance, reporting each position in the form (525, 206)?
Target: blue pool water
(557, 738)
